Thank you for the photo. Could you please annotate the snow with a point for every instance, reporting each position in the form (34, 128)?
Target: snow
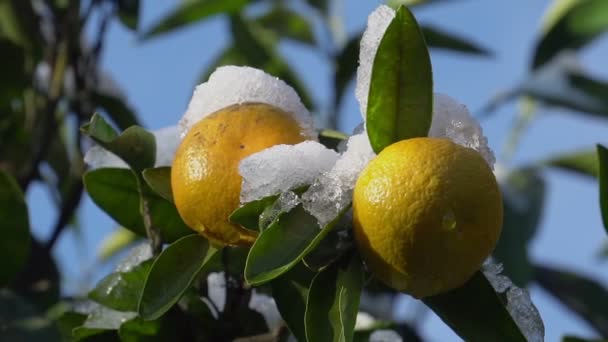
(283, 167)
(167, 141)
(230, 85)
(136, 256)
(519, 304)
(286, 201)
(331, 192)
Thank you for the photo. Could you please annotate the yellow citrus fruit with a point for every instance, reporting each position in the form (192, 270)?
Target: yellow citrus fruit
(427, 212)
(205, 180)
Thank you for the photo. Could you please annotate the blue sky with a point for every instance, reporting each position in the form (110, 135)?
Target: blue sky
(158, 77)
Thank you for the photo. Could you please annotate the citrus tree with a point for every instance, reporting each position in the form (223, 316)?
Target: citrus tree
(245, 221)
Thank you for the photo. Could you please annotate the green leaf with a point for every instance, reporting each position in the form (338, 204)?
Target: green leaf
(476, 301)
(578, 26)
(582, 162)
(159, 180)
(191, 12)
(400, 102)
(102, 324)
(602, 153)
(290, 292)
(115, 191)
(128, 13)
(523, 201)
(115, 242)
(585, 297)
(333, 301)
(437, 38)
(19, 23)
(121, 290)
(67, 322)
(256, 48)
(331, 138)
(286, 23)
(332, 247)
(136, 146)
(13, 70)
(15, 244)
(172, 273)
(283, 244)
(346, 63)
(116, 108)
(248, 214)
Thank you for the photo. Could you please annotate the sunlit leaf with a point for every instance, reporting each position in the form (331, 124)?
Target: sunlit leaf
(476, 301)
(400, 103)
(333, 301)
(115, 242)
(577, 26)
(586, 297)
(172, 273)
(582, 162)
(191, 12)
(15, 246)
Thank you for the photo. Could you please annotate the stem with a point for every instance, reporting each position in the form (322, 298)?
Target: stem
(152, 231)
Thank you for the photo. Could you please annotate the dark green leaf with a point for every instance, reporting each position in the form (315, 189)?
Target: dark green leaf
(19, 24)
(174, 326)
(12, 68)
(436, 38)
(577, 27)
(159, 180)
(476, 301)
(283, 244)
(257, 50)
(191, 12)
(523, 201)
(15, 244)
(172, 273)
(586, 297)
(115, 191)
(128, 12)
(136, 146)
(581, 162)
(116, 108)
(248, 214)
(286, 23)
(400, 102)
(290, 292)
(346, 63)
(333, 301)
(121, 290)
(333, 246)
(67, 322)
(602, 153)
(21, 320)
(321, 5)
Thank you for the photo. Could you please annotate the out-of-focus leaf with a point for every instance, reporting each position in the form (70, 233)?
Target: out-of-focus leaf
(136, 146)
(172, 273)
(172, 327)
(437, 38)
(116, 192)
(19, 24)
(116, 108)
(333, 301)
(229, 56)
(476, 301)
(128, 13)
(346, 63)
(255, 47)
(523, 201)
(602, 153)
(122, 290)
(400, 102)
(290, 292)
(191, 12)
(248, 214)
(586, 297)
(561, 83)
(287, 23)
(582, 162)
(12, 68)
(21, 320)
(38, 281)
(410, 3)
(15, 244)
(67, 322)
(101, 324)
(331, 138)
(321, 5)
(159, 180)
(579, 25)
(283, 244)
(115, 242)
